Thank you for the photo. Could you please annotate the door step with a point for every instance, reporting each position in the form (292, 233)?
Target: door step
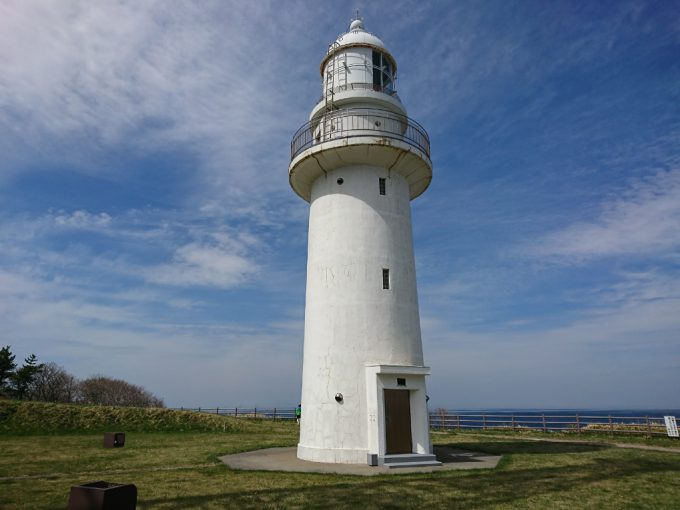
(410, 460)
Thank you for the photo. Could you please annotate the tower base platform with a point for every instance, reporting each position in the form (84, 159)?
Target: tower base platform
(285, 459)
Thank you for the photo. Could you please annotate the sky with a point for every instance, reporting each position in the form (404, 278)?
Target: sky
(148, 231)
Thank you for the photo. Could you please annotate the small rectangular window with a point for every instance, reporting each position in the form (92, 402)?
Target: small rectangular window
(381, 184)
(386, 279)
(401, 381)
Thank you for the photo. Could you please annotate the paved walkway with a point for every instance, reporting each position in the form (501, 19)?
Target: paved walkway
(285, 459)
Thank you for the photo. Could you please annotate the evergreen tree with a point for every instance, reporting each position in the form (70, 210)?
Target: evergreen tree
(7, 367)
(22, 378)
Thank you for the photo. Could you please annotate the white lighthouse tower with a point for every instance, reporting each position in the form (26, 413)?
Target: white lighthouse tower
(359, 162)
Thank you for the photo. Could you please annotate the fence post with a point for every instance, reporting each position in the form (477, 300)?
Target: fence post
(217, 411)
(649, 426)
(275, 413)
(611, 425)
(181, 408)
(513, 422)
(544, 427)
(255, 412)
(199, 409)
(578, 424)
(458, 421)
(235, 412)
(484, 421)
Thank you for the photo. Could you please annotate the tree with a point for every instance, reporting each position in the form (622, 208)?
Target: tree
(7, 367)
(22, 378)
(53, 384)
(105, 391)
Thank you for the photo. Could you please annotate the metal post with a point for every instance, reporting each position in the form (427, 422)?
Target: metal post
(611, 425)
(235, 412)
(484, 421)
(255, 412)
(649, 426)
(544, 427)
(275, 413)
(458, 421)
(578, 424)
(513, 423)
(199, 409)
(217, 411)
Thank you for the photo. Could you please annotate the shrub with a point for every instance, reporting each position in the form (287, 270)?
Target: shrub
(41, 417)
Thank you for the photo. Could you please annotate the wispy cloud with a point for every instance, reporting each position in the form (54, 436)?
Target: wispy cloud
(82, 220)
(220, 265)
(195, 76)
(643, 219)
(185, 251)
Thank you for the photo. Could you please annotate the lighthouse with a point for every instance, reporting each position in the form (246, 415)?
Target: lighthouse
(359, 161)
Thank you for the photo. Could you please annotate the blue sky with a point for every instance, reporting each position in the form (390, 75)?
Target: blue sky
(148, 232)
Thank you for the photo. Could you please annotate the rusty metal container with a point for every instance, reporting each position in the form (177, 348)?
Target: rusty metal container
(103, 495)
(114, 439)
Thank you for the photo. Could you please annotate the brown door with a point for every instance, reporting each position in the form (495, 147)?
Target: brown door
(397, 422)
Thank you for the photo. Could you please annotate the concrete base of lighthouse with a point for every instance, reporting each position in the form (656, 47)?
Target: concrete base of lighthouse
(396, 425)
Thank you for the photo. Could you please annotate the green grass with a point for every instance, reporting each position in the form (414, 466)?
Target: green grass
(180, 470)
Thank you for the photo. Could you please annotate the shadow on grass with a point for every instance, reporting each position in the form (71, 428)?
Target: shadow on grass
(526, 447)
(441, 489)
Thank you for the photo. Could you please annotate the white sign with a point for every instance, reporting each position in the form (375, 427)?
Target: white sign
(671, 426)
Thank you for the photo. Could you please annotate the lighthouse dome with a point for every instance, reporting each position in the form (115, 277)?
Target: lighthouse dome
(357, 36)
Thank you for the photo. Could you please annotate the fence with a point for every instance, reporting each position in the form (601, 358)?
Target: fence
(444, 419)
(275, 413)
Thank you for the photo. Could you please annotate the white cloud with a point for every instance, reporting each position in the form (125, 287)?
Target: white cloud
(643, 220)
(622, 355)
(124, 337)
(175, 249)
(149, 76)
(82, 220)
(212, 266)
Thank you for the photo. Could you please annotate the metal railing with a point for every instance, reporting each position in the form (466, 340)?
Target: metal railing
(276, 413)
(447, 420)
(577, 423)
(355, 122)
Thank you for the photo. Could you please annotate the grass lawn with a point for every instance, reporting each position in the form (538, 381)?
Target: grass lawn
(178, 470)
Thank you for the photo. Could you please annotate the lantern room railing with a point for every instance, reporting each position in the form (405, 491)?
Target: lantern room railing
(360, 122)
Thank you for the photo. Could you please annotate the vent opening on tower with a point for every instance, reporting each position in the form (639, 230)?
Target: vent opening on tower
(381, 185)
(386, 279)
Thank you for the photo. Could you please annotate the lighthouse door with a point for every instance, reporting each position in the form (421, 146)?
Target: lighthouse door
(397, 422)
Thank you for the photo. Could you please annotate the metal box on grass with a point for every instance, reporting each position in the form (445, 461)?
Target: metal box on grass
(103, 495)
(114, 439)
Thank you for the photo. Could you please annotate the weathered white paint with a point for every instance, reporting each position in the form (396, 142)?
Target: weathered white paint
(358, 336)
